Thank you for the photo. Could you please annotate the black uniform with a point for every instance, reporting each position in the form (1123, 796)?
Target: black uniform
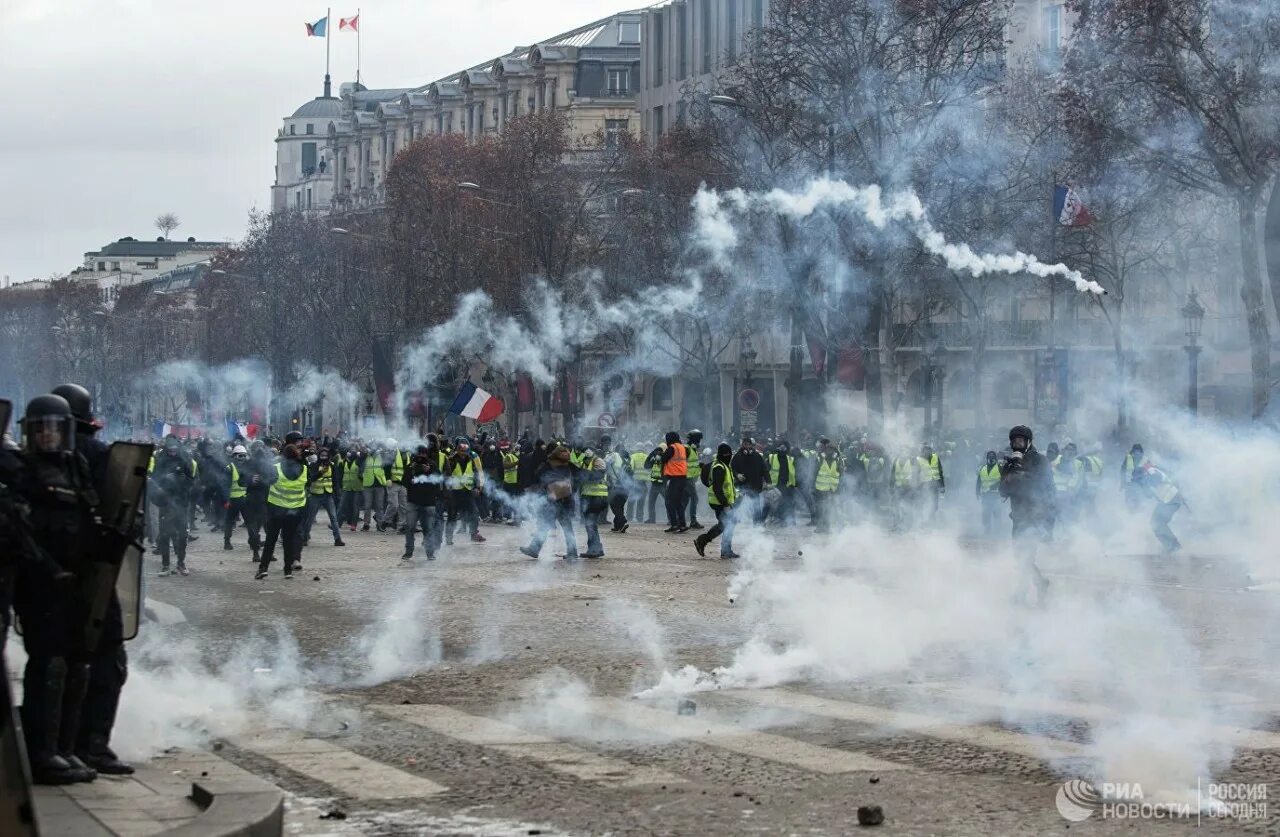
(172, 479)
(1026, 479)
(59, 490)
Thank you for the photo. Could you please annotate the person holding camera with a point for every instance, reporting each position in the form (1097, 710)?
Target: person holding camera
(1026, 481)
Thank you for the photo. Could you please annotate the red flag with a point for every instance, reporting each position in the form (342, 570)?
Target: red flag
(351, 23)
(817, 356)
(524, 393)
(851, 369)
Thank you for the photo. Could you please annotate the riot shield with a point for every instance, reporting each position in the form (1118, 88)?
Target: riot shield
(117, 565)
(17, 814)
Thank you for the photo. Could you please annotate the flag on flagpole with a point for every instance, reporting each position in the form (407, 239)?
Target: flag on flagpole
(351, 24)
(1068, 209)
(161, 428)
(319, 28)
(474, 403)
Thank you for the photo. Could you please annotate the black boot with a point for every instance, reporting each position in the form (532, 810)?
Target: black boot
(77, 686)
(45, 685)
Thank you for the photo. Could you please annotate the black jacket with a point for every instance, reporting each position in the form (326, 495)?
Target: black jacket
(751, 467)
(422, 480)
(1028, 483)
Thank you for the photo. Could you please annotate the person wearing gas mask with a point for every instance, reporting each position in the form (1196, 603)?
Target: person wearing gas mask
(465, 481)
(58, 487)
(108, 661)
(321, 489)
(987, 490)
(173, 475)
(1026, 481)
(422, 483)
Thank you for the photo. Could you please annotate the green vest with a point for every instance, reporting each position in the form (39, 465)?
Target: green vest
(930, 469)
(510, 468)
(287, 493)
(464, 477)
(1093, 471)
(726, 483)
(989, 477)
(324, 479)
(350, 475)
(372, 468)
(593, 484)
(397, 468)
(637, 462)
(828, 479)
(902, 470)
(694, 463)
(655, 471)
(238, 491)
(775, 470)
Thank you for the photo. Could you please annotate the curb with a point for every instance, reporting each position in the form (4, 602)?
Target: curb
(233, 810)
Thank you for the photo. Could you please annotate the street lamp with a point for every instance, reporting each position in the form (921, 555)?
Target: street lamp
(1193, 314)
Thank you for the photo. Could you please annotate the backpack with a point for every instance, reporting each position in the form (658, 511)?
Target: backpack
(705, 475)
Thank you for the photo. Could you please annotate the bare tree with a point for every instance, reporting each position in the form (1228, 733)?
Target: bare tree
(167, 222)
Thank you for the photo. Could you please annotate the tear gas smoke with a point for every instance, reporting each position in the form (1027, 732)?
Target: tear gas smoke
(716, 232)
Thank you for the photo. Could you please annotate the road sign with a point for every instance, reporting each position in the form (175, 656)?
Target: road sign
(748, 399)
(607, 420)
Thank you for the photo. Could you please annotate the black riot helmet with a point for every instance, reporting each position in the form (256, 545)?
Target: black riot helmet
(1020, 432)
(48, 426)
(293, 437)
(80, 401)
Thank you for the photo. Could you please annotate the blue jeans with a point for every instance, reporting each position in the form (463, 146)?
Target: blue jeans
(316, 502)
(560, 512)
(420, 516)
(723, 529)
(591, 508)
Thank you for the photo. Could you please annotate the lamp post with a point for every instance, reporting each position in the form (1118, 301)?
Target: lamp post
(1193, 314)
(746, 360)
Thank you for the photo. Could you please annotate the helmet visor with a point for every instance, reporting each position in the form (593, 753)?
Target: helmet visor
(49, 434)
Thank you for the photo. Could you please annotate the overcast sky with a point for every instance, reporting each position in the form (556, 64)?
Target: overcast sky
(118, 110)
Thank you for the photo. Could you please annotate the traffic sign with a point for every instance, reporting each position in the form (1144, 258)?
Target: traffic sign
(606, 420)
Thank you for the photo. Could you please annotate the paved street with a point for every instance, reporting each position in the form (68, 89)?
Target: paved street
(485, 693)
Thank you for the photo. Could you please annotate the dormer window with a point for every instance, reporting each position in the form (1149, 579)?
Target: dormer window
(293, 129)
(629, 33)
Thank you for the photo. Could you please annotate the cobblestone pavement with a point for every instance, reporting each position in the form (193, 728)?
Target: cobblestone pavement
(518, 717)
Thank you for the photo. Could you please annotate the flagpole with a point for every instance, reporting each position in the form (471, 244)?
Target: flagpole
(357, 44)
(328, 24)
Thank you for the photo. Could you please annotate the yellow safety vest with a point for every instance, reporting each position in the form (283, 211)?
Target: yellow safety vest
(1069, 480)
(464, 478)
(350, 475)
(655, 471)
(1093, 473)
(372, 470)
(510, 468)
(1130, 466)
(324, 479)
(902, 469)
(726, 484)
(288, 493)
(637, 462)
(874, 466)
(397, 468)
(594, 484)
(237, 490)
(694, 463)
(775, 470)
(828, 479)
(989, 477)
(930, 469)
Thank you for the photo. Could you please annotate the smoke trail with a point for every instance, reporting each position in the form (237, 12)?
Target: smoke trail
(716, 233)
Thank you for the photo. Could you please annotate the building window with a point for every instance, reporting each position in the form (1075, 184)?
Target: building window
(308, 197)
(619, 80)
(682, 42)
(311, 128)
(1011, 391)
(102, 266)
(705, 26)
(662, 398)
(293, 129)
(613, 131)
(629, 33)
(115, 265)
(659, 50)
(731, 24)
(1053, 28)
(757, 13)
(658, 125)
(308, 159)
(297, 199)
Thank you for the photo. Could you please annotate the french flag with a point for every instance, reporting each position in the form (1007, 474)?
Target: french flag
(474, 403)
(1069, 209)
(319, 29)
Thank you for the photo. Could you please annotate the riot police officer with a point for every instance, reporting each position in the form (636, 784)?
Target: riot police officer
(173, 474)
(57, 485)
(108, 662)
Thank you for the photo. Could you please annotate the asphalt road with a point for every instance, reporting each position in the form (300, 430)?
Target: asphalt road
(484, 693)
